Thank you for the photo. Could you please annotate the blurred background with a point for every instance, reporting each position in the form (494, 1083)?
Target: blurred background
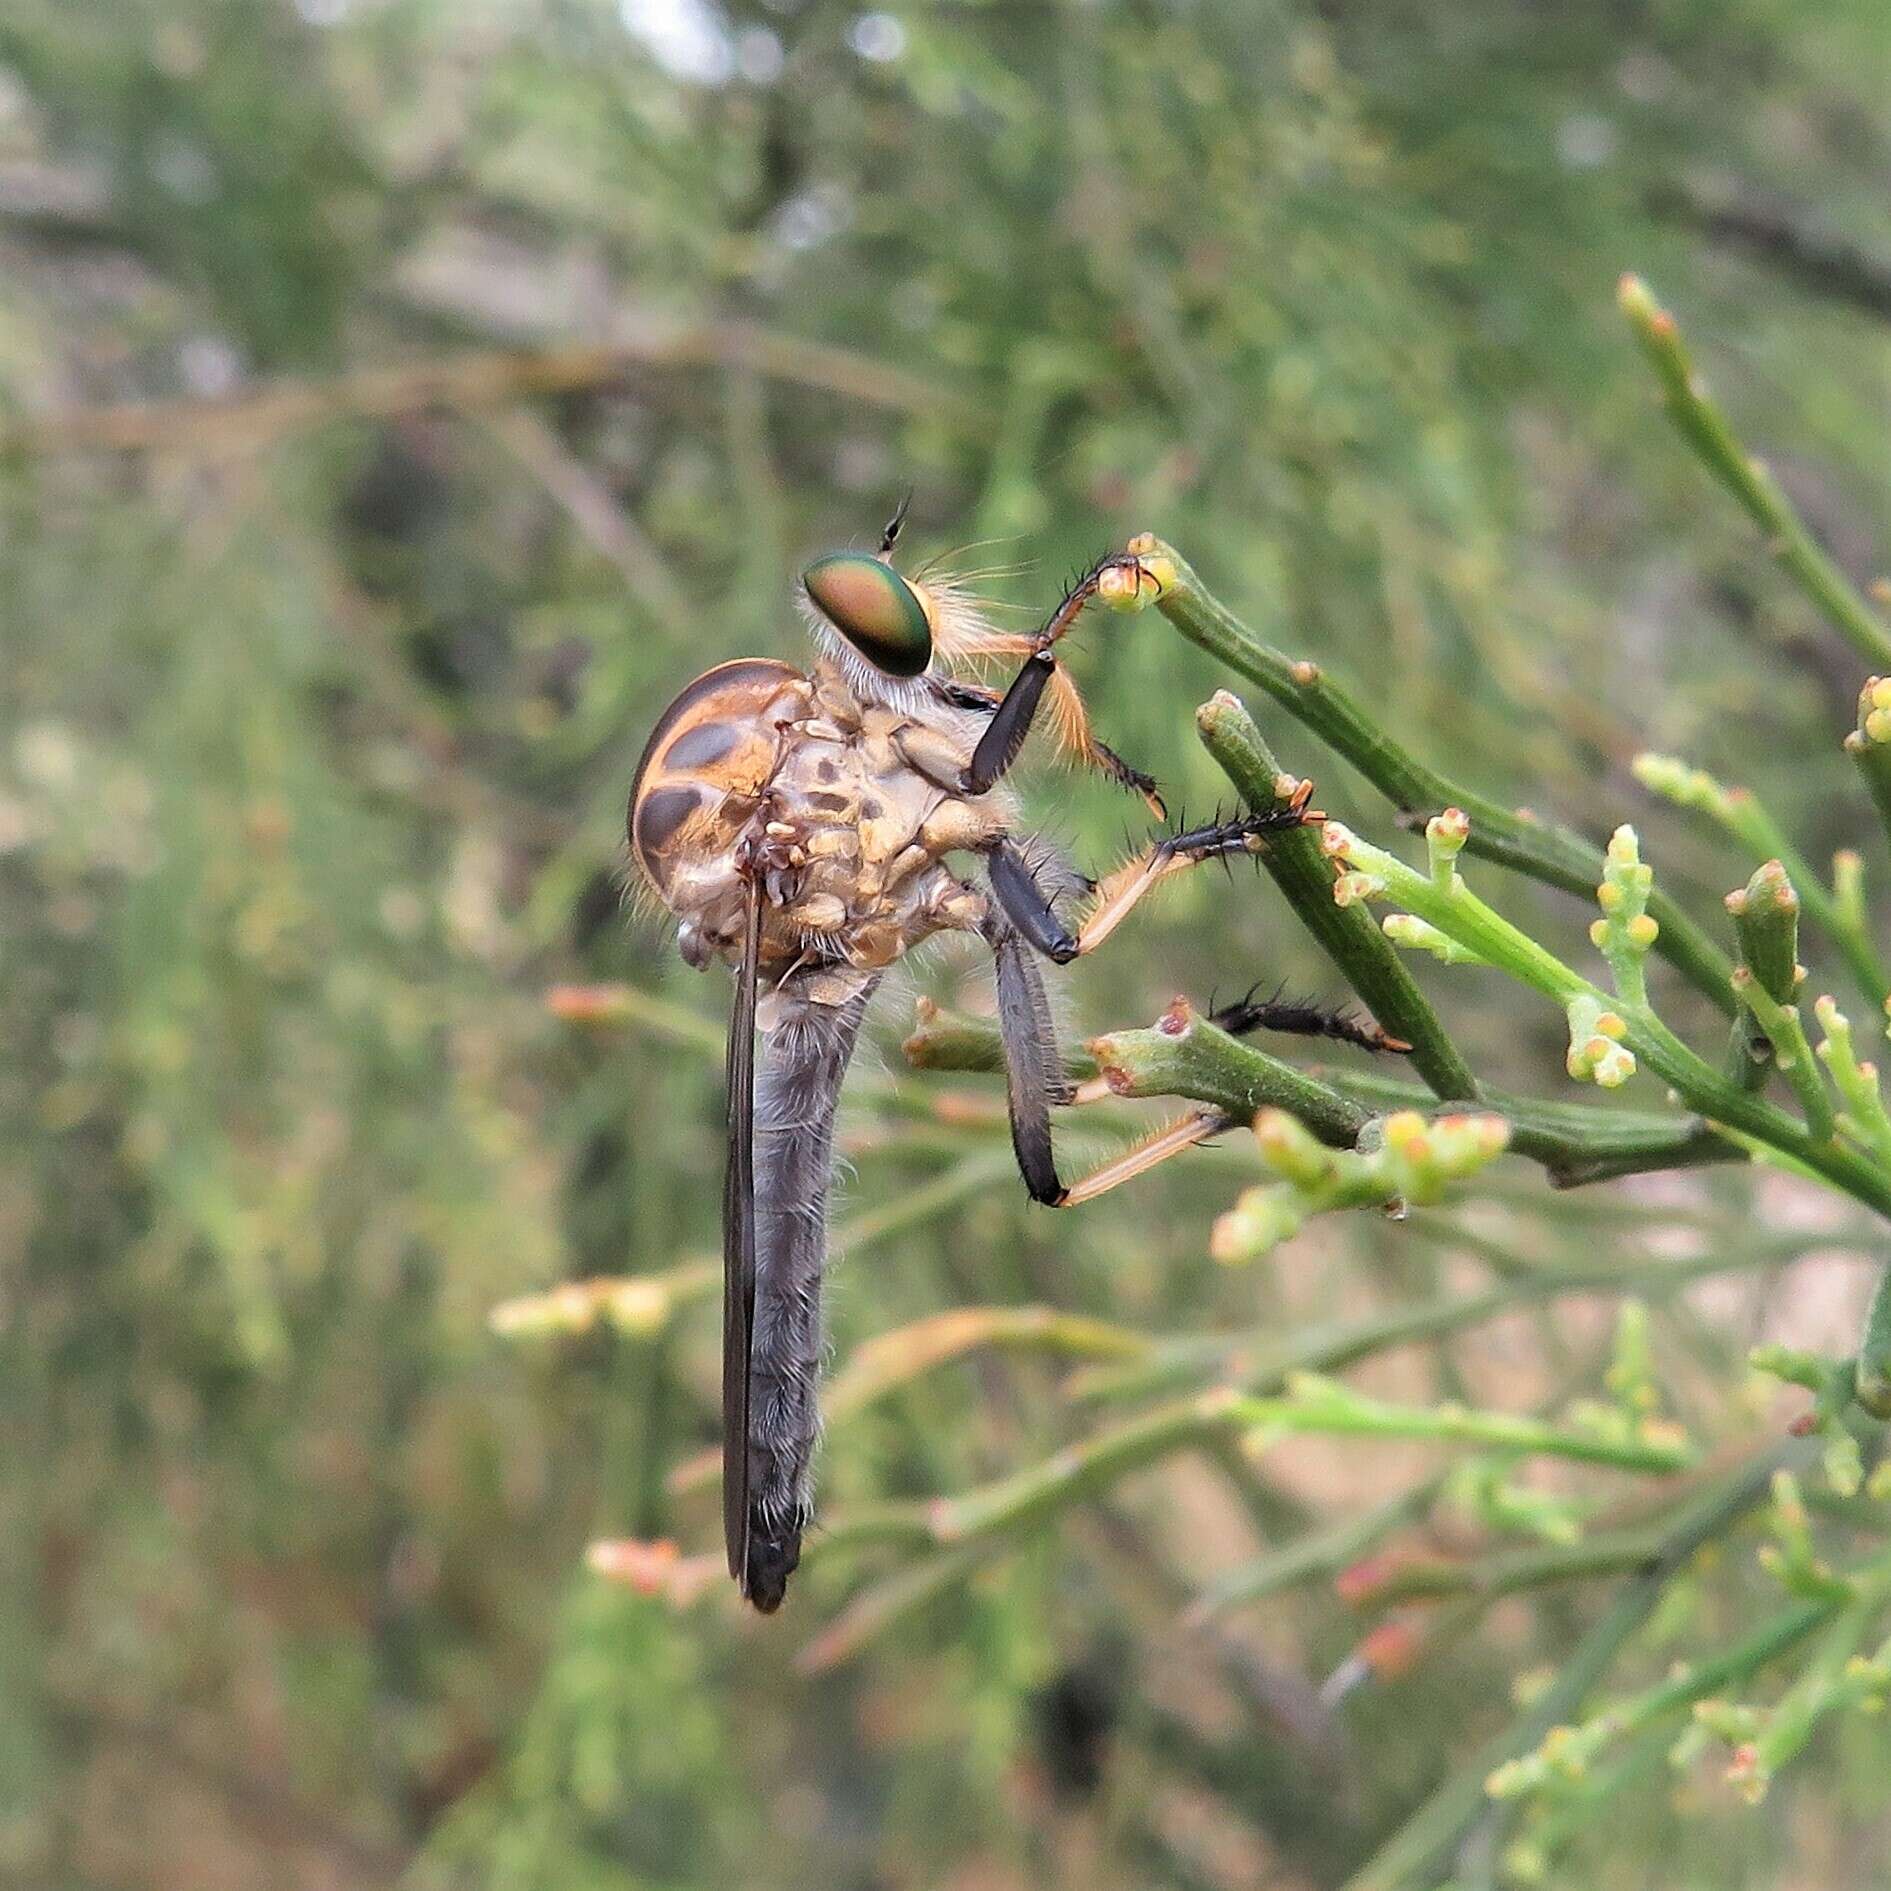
(402, 398)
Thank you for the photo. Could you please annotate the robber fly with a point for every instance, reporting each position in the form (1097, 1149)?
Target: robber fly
(799, 826)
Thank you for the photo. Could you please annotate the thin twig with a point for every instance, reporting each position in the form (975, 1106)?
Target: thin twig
(1542, 850)
(464, 383)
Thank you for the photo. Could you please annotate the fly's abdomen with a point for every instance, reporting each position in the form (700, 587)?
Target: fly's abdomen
(707, 762)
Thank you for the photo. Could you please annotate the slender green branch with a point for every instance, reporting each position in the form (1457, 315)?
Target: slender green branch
(1865, 1119)
(888, 1361)
(1740, 813)
(1542, 850)
(1871, 1376)
(1314, 1557)
(1791, 1052)
(1259, 1361)
(1311, 1405)
(878, 1606)
(1456, 911)
(1694, 1681)
(1701, 423)
(1183, 1055)
(1432, 1578)
(1329, 1408)
(1361, 951)
(944, 1040)
(1869, 745)
(1765, 914)
(1413, 1857)
(1576, 1143)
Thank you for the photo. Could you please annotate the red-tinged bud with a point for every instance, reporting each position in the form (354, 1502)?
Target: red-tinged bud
(587, 1004)
(636, 1564)
(1392, 1649)
(1359, 1582)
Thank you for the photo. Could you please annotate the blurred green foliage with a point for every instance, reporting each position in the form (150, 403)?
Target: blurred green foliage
(316, 737)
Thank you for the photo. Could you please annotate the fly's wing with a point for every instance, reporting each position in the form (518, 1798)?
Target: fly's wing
(738, 1244)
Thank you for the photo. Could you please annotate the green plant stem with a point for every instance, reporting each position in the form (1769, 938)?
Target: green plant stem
(1765, 916)
(1260, 1361)
(1082, 1470)
(1431, 1578)
(1542, 850)
(886, 1362)
(1702, 425)
(1367, 959)
(1412, 1858)
(1871, 1373)
(1183, 1055)
(1339, 1411)
(1456, 911)
(1873, 760)
(1791, 1053)
(1738, 812)
(1576, 1143)
(1314, 1557)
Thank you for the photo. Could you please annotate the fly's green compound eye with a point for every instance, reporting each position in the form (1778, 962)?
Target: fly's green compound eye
(874, 608)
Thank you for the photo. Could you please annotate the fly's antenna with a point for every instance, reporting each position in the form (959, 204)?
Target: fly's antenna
(891, 536)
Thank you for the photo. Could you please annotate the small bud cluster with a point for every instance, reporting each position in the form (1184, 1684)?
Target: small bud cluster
(1874, 711)
(1864, 1118)
(1414, 1162)
(1626, 930)
(1596, 1052)
(1686, 786)
(1419, 935)
(628, 1305)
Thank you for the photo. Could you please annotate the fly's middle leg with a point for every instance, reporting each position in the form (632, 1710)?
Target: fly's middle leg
(1116, 895)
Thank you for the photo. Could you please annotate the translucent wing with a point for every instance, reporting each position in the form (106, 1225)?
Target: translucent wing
(738, 1246)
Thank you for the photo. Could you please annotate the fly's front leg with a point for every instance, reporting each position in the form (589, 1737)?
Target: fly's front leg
(1011, 722)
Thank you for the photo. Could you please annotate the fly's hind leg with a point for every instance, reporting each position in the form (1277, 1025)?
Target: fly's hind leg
(1034, 1066)
(1187, 1131)
(1034, 1072)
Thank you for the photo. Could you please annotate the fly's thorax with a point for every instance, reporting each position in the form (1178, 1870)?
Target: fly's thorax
(813, 779)
(870, 830)
(704, 771)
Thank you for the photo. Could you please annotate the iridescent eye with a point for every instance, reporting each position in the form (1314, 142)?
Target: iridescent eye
(874, 608)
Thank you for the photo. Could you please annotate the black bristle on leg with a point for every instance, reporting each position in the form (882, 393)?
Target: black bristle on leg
(1236, 836)
(1296, 1018)
(1126, 774)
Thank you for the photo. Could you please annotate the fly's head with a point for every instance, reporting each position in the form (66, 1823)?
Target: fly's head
(886, 620)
